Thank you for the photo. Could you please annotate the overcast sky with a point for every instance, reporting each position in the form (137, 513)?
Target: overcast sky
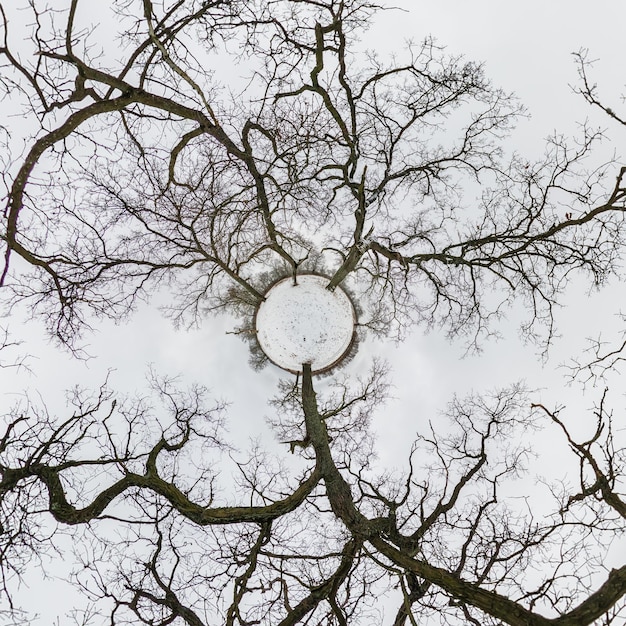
(527, 49)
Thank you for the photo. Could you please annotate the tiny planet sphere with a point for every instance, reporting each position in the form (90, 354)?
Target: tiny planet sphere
(305, 323)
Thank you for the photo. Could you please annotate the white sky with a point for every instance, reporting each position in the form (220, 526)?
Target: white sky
(527, 49)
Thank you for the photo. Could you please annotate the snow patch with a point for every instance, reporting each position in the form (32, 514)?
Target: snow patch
(305, 323)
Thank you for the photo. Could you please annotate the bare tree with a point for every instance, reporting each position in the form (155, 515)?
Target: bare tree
(146, 168)
(314, 540)
(147, 172)
(604, 355)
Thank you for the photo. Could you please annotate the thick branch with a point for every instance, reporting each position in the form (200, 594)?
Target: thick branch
(64, 512)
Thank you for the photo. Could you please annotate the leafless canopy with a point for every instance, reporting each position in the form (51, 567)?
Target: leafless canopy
(207, 140)
(196, 145)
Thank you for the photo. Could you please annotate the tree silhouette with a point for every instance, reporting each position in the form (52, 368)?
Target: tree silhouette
(153, 164)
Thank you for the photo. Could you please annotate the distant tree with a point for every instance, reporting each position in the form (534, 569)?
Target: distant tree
(147, 167)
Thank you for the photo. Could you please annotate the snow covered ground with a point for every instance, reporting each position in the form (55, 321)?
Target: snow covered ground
(305, 323)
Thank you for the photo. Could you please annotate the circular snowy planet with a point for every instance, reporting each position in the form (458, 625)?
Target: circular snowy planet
(305, 323)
